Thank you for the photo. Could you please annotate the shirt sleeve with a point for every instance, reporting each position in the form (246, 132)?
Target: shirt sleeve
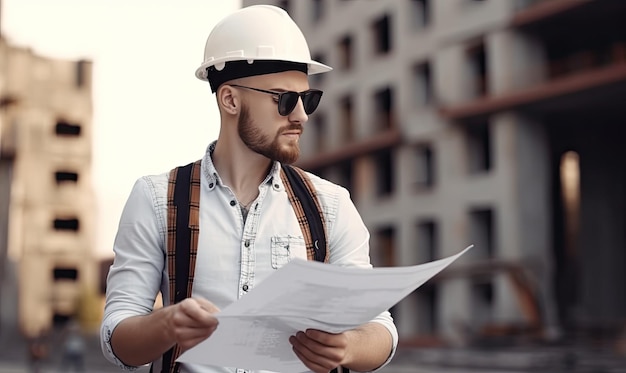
(349, 243)
(135, 277)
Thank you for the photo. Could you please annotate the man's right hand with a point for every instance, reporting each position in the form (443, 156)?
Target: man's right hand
(140, 340)
(191, 321)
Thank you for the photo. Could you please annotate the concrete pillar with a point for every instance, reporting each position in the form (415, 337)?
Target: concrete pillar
(516, 60)
(450, 78)
(454, 298)
(524, 211)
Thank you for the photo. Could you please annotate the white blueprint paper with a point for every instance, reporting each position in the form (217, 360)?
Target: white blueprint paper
(253, 332)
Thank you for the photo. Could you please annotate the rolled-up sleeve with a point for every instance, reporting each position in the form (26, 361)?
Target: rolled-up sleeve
(135, 277)
(386, 320)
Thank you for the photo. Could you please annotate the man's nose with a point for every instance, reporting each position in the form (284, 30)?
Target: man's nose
(298, 115)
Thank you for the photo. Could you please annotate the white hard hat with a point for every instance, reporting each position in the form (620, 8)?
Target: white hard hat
(258, 32)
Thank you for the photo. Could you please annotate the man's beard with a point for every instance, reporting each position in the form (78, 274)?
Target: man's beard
(262, 144)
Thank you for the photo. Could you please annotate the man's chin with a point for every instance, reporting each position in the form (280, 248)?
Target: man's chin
(289, 157)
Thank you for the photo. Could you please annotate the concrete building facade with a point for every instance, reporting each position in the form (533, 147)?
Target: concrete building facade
(497, 123)
(46, 197)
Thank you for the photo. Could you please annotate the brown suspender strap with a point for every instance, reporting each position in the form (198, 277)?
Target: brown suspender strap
(303, 198)
(183, 227)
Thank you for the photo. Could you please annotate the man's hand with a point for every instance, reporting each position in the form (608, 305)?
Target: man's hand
(320, 351)
(362, 349)
(140, 340)
(191, 321)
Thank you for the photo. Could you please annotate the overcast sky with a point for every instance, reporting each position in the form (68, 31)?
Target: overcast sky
(150, 112)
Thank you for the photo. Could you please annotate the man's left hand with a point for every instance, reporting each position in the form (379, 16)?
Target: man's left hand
(320, 351)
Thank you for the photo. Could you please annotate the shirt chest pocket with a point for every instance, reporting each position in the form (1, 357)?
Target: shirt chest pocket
(284, 248)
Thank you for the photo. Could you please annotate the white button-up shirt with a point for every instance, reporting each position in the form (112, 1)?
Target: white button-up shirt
(234, 254)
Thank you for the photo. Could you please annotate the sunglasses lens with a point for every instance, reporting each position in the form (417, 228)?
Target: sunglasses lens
(287, 102)
(310, 100)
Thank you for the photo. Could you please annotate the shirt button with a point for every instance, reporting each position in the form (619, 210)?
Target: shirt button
(233, 203)
(247, 243)
(245, 287)
(211, 185)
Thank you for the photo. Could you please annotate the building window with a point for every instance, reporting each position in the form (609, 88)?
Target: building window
(285, 4)
(346, 118)
(347, 176)
(103, 271)
(345, 52)
(65, 177)
(424, 167)
(64, 128)
(569, 55)
(317, 79)
(63, 273)
(66, 224)
(479, 147)
(420, 13)
(385, 176)
(427, 295)
(482, 235)
(477, 60)
(386, 250)
(319, 130)
(423, 85)
(381, 30)
(482, 302)
(427, 299)
(317, 11)
(80, 73)
(385, 253)
(64, 294)
(383, 104)
(427, 241)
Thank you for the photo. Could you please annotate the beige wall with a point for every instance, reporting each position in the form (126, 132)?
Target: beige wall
(45, 93)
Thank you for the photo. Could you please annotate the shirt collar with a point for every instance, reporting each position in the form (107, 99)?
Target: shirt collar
(211, 175)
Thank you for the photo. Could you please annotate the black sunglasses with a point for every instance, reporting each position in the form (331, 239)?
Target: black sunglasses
(288, 100)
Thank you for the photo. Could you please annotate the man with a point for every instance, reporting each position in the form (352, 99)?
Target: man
(256, 61)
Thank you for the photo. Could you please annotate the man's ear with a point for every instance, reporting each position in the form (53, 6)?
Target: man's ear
(228, 99)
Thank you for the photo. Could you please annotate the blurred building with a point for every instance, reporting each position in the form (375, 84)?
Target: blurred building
(497, 122)
(46, 197)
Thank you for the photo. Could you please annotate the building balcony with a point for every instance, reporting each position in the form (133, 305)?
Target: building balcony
(583, 64)
(538, 11)
(588, 87)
